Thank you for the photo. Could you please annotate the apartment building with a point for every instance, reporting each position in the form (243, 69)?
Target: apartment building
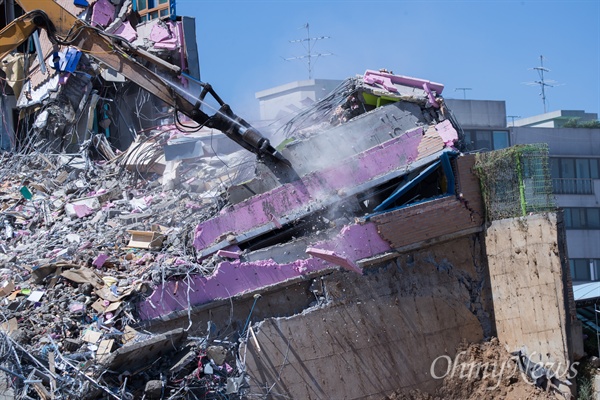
(574, 167)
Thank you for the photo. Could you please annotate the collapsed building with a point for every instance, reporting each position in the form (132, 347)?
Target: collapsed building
(142, 256)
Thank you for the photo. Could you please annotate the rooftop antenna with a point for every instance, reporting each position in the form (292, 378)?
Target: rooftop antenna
(542, 82)
(309, 44)
(513, 118)
(464, 89)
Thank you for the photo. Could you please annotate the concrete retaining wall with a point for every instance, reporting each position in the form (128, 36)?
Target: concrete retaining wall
(529, 286)
(378, 332)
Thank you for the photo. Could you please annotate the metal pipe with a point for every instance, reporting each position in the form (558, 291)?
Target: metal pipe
(154, 59)
(38, 50)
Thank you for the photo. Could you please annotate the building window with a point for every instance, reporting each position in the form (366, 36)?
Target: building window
(582, 218)
(152, 9)
(500, 139)
(574, 175)
(563, 167)
(580, 269)
(585, 269)
(486, 140)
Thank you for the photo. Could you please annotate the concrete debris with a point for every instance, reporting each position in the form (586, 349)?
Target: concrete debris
(81, 293)
(483, 380)
(541, 376)
(143, 247)
(100, 248)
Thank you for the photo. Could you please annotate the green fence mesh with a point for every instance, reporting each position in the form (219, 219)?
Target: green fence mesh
(515, 181)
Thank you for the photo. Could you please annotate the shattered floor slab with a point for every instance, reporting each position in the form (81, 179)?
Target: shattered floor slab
(389, 324)
(133, 269)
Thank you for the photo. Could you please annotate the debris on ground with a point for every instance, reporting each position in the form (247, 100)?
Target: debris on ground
(73, 267)
(103, 233)
(483, 371)
(119, 208)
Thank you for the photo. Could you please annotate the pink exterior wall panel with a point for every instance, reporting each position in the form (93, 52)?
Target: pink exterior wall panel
(387, 80)
(102, 13)
(313, 192)
(230, 279)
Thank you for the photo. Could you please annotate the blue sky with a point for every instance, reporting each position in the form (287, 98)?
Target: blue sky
(488, 46)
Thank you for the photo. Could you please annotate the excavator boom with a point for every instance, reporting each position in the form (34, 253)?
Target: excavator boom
(15, 33)
(64, 28)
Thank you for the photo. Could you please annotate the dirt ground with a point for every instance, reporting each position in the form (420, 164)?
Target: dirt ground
(484, 371)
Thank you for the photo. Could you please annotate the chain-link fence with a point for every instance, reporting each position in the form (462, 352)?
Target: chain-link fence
(515, 181)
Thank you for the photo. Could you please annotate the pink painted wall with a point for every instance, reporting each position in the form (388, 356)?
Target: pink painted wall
(310, 191)
(102, 13)
(387, 80)
(233, 278)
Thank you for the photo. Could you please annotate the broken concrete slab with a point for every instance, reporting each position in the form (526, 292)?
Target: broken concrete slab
(136, 355)
(183, 148)
(234, 278)
(332, 257)
(541, 272)
(313, 192)
(153, 389)
(82, 208)
(145, 157)
(408, 306)
(146, 239)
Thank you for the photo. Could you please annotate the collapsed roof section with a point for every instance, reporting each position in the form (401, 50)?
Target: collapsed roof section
(376, 146)
(378, 142)
(363, 112)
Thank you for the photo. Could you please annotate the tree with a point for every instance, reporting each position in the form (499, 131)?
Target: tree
(574, 123)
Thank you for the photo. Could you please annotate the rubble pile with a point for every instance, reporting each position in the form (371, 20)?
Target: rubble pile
(485, 370)
(82, 242)
(123, 211)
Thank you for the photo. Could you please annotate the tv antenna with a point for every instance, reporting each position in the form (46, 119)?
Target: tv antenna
(309, 44)
(542, 82)
(513, 118)
(464, 89)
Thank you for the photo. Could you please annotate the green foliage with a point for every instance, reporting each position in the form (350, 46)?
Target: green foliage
(586, 388)
(585, 370)
(585, 381)
(590, 124)
(515, 181)
(574, 123)
(571, 123)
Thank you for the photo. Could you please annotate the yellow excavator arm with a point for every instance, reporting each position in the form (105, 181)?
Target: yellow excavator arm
(15, 33)
(64, 28)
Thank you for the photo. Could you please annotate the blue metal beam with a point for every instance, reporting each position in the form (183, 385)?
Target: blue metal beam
(444, 161)
(405, 188)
